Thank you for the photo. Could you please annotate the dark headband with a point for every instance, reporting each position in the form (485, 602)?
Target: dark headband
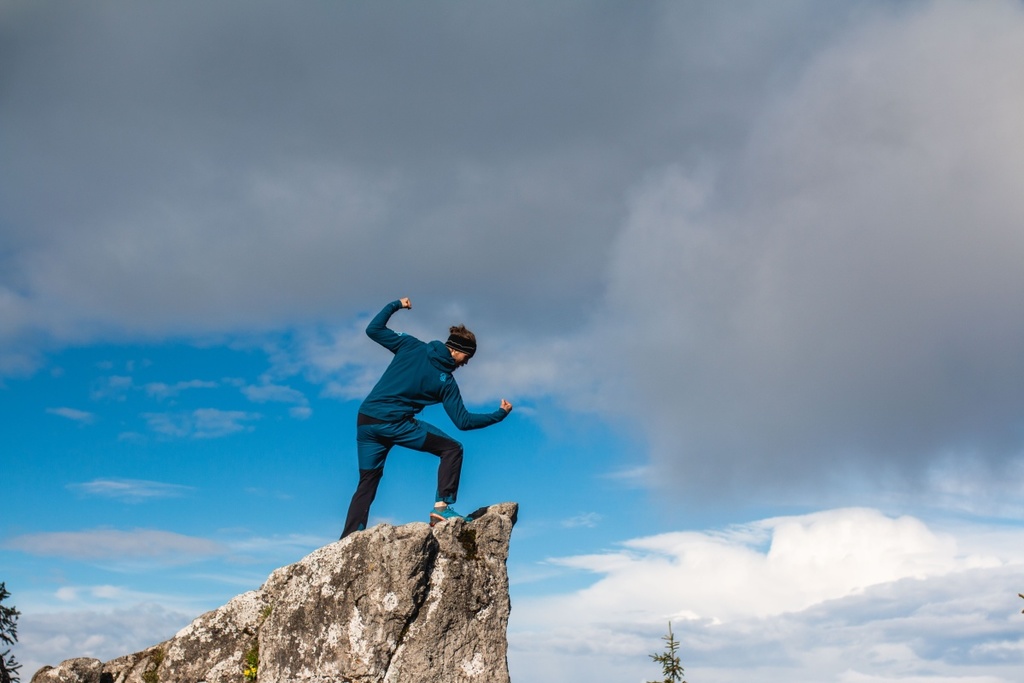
(462, 344)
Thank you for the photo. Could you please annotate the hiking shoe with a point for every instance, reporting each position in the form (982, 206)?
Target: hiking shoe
(444, 514)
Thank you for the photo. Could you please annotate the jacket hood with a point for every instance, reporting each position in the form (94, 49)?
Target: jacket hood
(441, 357)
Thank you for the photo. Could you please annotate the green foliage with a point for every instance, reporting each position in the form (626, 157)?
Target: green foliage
(252, 662)
(8, 636)
(251, 670)
(156, 659)
(671, 668)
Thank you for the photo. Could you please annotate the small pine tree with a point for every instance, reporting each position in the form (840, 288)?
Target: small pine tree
(671, 667)
(8, 636)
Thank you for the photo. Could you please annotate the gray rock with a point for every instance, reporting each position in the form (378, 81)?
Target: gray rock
(80, 670)
(408, 604)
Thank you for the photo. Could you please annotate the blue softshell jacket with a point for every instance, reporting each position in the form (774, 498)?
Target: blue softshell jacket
(419, 375)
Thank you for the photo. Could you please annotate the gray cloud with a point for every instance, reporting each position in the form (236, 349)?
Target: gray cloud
(191, 167)
(846, 300)
(788, 229)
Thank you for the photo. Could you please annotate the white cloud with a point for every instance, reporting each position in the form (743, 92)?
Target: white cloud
(343, 360)
(162, 390)
(771, 567)
(48, 638)
(112, 388)
(829, 596)
(586, 519)
(115, 546)
(300, 412)
(278, 393)
(631, 476)
(177, 425)
(202, 423)
(131, 490)
(968, 486)
(534, 368)
(263, 393)
(73, 414)
(211, 423)
(283, 546)
(81, 597)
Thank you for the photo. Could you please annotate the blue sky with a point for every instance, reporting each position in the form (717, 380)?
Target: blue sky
(750, 273)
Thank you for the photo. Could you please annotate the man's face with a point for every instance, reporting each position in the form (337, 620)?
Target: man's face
(460, 358)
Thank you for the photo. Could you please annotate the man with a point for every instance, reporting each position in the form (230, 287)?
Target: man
(419, 375)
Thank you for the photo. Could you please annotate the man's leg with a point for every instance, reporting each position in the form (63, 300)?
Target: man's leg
(422, 436)
(425, 437)
(372, 447)
(449, 469)
(359, 508)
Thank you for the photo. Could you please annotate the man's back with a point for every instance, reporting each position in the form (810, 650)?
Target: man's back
(416, 378)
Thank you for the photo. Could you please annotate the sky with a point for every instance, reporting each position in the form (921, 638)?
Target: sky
(749, 273)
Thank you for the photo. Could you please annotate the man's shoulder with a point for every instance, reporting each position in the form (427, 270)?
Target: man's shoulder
(406, 339)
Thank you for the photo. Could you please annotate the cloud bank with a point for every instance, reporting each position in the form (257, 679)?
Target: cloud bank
(842, 595)
(845, 298)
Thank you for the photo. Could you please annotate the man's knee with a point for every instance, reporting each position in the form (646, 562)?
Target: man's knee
(442, 446)
(370, 477)
(370, 460)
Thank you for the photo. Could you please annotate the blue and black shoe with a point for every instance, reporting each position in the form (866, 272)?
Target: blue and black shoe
(444, 514)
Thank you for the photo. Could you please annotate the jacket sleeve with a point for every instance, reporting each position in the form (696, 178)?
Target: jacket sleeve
(379, 331)
(451, 398)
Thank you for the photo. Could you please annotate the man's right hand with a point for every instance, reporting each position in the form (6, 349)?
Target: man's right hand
(506, 406)
(405, 302)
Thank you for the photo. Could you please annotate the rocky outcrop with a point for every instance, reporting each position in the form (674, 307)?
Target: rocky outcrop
(408, 604)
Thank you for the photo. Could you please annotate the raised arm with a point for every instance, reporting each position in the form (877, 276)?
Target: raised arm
(378, 329)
